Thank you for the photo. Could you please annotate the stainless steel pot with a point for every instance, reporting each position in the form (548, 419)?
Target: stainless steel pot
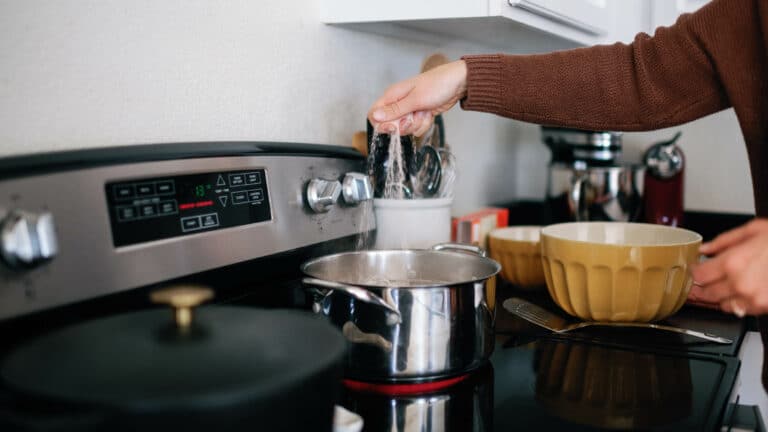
(595, 193)
(410, 315)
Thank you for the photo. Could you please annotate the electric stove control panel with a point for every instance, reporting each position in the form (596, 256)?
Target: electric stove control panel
(148, 209)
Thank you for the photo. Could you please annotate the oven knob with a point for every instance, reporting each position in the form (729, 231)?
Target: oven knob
(27, 239)
(356, 188)
(323, 194)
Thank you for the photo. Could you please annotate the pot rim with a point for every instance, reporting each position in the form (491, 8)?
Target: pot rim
(324, 258)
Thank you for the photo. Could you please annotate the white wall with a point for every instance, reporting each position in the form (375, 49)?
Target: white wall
(79, 73)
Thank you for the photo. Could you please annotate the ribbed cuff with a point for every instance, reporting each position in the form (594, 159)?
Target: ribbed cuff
(484, 89)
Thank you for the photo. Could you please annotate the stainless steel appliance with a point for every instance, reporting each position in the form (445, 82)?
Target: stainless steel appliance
(86, 236)
(663, 203)
(75, 227)
(586, 181)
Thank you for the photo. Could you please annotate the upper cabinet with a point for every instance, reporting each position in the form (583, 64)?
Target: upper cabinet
(509, 25)
(590, 17)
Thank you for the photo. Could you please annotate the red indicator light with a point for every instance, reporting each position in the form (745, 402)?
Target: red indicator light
(203, 203)
(186, 206)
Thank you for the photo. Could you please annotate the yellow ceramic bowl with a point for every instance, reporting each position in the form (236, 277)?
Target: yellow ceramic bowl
(616, 271)
(518, 250)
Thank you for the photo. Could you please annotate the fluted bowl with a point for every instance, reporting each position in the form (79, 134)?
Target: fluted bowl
(518, 250)
(617, 271)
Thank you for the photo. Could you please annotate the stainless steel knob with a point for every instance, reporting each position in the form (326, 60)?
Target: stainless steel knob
(27, 239)
(356, 188)
(323, 194)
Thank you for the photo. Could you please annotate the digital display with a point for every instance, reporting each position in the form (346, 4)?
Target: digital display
(157, 208)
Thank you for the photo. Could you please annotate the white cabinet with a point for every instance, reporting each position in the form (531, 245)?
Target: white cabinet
(591, 17)
(511, 25)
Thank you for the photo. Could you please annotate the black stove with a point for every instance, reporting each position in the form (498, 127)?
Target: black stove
(129, 220)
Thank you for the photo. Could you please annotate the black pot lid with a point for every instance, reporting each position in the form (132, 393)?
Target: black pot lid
(142, 361)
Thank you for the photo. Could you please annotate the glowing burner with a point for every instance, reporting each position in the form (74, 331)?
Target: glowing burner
(404, 388)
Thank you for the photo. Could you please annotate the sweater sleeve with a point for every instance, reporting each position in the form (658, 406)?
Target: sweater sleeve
(652, 83)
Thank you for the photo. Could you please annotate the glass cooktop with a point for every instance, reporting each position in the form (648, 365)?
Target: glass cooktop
(594, 379)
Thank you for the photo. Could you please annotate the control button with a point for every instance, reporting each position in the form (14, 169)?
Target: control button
(145, 189)
(210, 220)
(126, 213)
(148, 210)
(323, 194)
(236, 180)
(123, 191)
(27, 239)
(256, 195)
(223, 200)
(165, 187)
(239, 197)
(220, 181)
(190, 223)
(356, 188)
(253, 178)
(167, 207)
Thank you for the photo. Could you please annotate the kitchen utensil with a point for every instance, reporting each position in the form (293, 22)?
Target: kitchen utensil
(412, 224)
(221, 368)
(543, 318)
(595, 193)
(360, 142)
(421, 160)
(433, 60)
(445, 326)
(610, 388)
(518, 250)
(615, 271)
(663, 188)
(448, 172)
(425, 172)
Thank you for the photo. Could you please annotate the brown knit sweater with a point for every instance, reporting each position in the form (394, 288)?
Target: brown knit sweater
(708, 61)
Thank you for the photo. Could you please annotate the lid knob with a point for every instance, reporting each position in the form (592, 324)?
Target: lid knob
(182, 299)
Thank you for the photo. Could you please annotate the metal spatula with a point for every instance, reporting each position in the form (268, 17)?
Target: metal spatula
(543, 318)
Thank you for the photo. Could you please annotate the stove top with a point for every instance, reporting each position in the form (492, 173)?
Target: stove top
(593, 379)
(558, 384)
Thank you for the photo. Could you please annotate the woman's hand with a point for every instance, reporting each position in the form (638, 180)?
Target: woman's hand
(411, 105)
(736, 277)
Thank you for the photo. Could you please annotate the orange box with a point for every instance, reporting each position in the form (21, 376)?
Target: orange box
(473, 228)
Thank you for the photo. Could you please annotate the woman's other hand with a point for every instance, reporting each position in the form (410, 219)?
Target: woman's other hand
(412, 104)
(736, 275)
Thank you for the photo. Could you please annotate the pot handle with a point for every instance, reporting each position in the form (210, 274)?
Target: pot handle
(358, 293)
(477, 250)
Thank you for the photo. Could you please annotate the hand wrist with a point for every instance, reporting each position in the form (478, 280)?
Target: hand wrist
(461, 90)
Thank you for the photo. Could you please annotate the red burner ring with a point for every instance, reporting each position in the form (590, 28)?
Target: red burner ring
(403, 389)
